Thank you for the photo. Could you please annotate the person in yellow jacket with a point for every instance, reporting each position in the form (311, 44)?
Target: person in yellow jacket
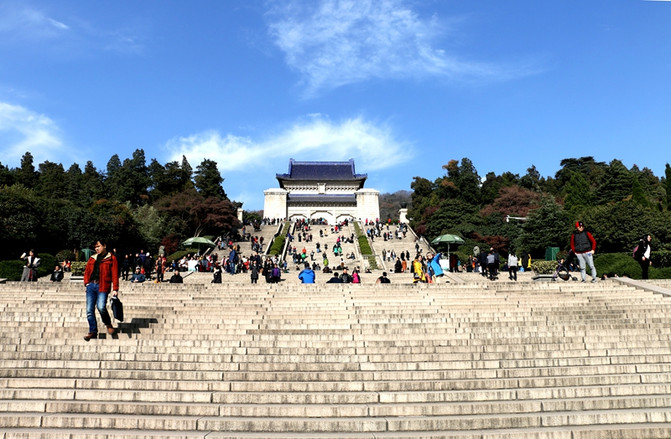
(418, 269)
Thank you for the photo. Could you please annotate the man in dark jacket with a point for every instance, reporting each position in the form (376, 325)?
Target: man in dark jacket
(583, 244)
(101, 276)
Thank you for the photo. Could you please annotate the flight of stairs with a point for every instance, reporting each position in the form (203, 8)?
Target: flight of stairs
(234, 360)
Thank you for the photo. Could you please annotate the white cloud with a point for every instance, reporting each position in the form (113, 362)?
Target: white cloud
(23, 130)
(337, 42)
(249, 166)
(22, 22)
(315, 138)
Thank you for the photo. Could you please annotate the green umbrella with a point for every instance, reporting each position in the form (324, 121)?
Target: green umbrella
(199, 240)
(448, 239)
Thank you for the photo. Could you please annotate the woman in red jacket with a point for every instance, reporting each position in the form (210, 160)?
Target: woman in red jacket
(100, 276)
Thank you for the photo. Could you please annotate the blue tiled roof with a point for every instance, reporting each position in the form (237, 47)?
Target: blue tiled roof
(321, 171)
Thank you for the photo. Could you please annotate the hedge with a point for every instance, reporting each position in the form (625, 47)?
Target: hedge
(13, 268)
(620, 264)
(278, 243)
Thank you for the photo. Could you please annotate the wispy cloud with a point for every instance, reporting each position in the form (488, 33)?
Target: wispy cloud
(337, 42)
(314, 138)
(22, 130)
(21, 22)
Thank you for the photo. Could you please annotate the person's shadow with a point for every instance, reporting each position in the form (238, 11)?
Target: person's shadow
(135, 326)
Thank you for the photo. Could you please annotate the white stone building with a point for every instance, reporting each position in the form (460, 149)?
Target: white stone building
(331, 191)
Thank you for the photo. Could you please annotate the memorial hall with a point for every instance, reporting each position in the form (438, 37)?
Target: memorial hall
(327, 191)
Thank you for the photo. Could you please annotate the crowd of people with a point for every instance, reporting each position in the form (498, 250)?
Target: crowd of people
(144, 267)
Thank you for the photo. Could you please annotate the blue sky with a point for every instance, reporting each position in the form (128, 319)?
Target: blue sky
(402, 87)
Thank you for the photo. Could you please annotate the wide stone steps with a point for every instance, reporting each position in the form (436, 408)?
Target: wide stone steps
(234, 360)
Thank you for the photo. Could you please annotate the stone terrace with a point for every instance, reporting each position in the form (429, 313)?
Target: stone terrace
(471, 360)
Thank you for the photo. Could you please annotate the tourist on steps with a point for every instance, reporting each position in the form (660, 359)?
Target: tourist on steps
(307, 275)
(100, 276)
(584, 245)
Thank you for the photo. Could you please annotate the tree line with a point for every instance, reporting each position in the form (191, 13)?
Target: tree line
(618, 205)
(131, 204)
(134, 205)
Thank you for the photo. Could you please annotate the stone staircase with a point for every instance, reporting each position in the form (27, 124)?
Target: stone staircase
(410, 243)
(327, 240)
(475, 360)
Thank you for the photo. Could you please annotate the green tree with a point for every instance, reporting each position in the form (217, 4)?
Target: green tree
(468, 183)
(92, 184)
(638, 196)
(169, 179)
(208, 180)
(26, 174)
(52, 182)
(547, 226)
(151, 225)
(616, 184)
(74, 183)
(135, 179)
(592, 170)
(532, 180)
(20, 219)
(113, 183)
(577, 193)
(6, 176)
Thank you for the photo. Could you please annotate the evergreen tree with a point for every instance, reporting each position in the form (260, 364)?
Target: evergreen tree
(74, 181)
(52, 182)
(592, 170)
(113, 183)
(135, 179)
(186, 168)
(532, 179)
(490, 188)
(547, 226)
(6, 176)
(638, 195)
(616, 185)
(92, 184)
(468, 182)
(577, 193)
(208, 180)
(169, 179)
(26, 174)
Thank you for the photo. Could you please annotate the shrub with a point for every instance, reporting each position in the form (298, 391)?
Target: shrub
(661, 258)
(177, 255)
(47, 264)
(621, 264)
(77, 268)
(11, 270)
(278, 243)
(364, 246)
(544, 267)
(65, 254)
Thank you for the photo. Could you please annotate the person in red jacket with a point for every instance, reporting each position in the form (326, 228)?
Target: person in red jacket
(584, 244)
(100, 277)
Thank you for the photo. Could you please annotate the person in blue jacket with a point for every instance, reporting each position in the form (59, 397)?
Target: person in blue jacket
(433, 261)
(307, 275)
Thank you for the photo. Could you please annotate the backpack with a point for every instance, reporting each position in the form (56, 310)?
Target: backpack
(635, 254)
